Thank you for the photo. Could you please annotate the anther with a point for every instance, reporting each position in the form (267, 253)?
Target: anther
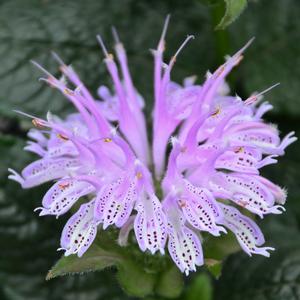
(239, 150)
(221, 70)
(107, 140)
(68, 92)
(62, 137)
(139, 175)
(37, 123)
(216, 112)
(183, 149)
(181, 203)
(63, 185)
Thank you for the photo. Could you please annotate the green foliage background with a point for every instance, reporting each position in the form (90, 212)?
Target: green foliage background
(29, 29)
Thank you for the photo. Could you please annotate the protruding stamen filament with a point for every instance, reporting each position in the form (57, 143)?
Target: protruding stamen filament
(64, 68)
(115, 35)
(104, 49)
(43, 69)
(58, 58)
(254, 98)
(173, 59)
(161, 44)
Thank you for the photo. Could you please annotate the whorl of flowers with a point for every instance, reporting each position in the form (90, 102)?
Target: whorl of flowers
(167, 191)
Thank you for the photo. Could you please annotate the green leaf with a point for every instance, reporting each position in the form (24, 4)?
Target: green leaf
(132, 273)
(95, 259)
(170, 283)
(135, 280)
(200, 288)
(233, 10)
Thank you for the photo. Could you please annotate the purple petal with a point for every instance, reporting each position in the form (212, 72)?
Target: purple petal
(63, 194)
(247, 232)
(80, 231)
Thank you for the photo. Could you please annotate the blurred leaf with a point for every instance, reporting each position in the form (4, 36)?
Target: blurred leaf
(95, 259)
(132, 276)
(276, 278)
(214, 267)
(233, 10)
(31, 29)
(134, 280)
(274, 55)
(170, 283)
(218, 248)
(200, 288)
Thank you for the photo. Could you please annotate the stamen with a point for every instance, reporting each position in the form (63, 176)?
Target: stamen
(115, 35)
(57, 58)
(221, 70)
(243, 203)
(239, 150)
(101, 43)
(173, 59)
(27, 115)
(183, 149)
(37, 123)
(139, 175)
(246, 46)
(63, 186)
(63, 67)
(68, 92)
(42, 69)
(239, 59)
(181, 203)
(216, 112)
(107, 140)
(161, 44)
(62, 137)
(254, 98)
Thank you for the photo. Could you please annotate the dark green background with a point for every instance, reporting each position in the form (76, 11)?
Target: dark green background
(29, 29)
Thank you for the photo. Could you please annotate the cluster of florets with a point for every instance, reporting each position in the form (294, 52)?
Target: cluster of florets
(209, 170)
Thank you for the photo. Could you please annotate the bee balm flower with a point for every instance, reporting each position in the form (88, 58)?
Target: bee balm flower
(167, 192)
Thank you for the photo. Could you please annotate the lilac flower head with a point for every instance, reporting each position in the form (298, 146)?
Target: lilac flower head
(172, 189)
